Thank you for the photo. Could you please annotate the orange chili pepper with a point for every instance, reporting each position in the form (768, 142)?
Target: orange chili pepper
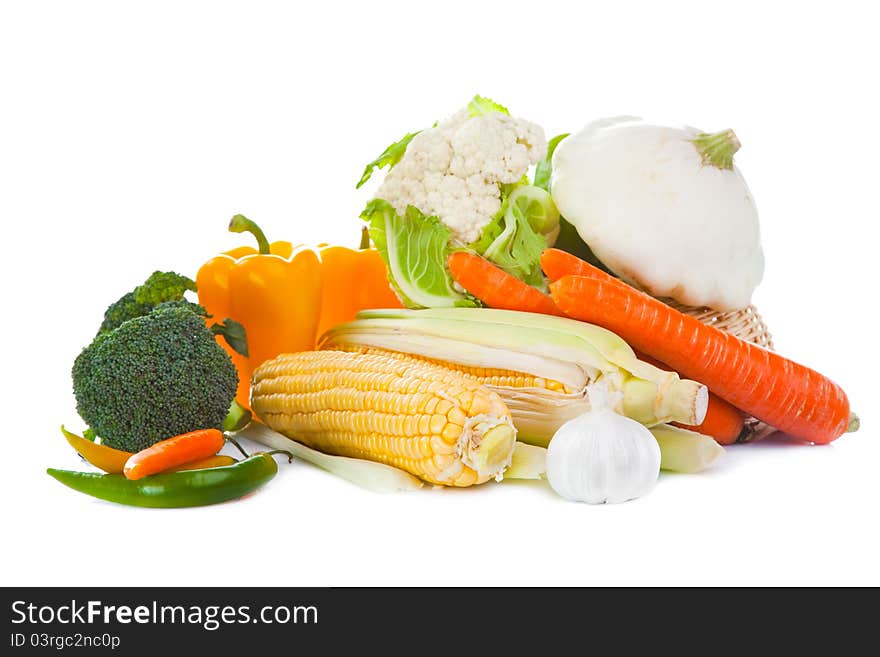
(102, 457)
(273, 291)
(216, 461)
(173, 452)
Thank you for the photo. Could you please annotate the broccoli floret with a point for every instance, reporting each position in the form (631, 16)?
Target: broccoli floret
(160, 287)
(122, 310)
(154, 377)
(201, 311)
(163, 286)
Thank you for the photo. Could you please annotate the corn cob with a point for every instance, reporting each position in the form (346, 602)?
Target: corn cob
(389, 407)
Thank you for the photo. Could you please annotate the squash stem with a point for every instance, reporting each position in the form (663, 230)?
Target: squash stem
(241, 224)
(717, 148)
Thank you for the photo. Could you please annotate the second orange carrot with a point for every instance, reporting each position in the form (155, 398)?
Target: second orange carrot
(173, 452)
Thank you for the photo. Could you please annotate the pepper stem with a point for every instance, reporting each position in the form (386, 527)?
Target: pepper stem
(717, 148)
(241, 224)
(235, 442)
(280, 451)
(365, 238)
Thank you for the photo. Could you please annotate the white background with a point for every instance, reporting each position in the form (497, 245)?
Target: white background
(131, 132)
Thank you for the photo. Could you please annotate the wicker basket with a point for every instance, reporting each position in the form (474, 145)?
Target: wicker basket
(747, 325)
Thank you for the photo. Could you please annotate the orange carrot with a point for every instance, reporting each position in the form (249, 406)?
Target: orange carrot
(723, 421)
(495, 287)
(170, 453)
(557, 263)
(780, 392)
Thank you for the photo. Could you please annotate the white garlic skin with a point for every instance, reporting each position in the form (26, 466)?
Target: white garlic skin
(601, 457)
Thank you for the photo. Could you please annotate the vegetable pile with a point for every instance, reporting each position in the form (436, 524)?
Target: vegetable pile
(506, 316)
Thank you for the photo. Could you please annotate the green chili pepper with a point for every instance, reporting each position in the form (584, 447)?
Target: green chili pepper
(175, 489)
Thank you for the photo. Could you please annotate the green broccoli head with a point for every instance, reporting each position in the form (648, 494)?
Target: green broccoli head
(153, 377)
(160, 287)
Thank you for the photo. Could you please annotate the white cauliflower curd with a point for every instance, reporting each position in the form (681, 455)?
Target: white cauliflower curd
(453, 170)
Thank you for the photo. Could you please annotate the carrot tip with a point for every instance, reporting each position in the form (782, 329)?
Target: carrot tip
(854, 423)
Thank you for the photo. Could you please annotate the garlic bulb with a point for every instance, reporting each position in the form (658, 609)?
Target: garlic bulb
(601, 456)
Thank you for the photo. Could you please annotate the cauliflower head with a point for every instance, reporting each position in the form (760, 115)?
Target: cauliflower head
(454, 170)
(461, 184)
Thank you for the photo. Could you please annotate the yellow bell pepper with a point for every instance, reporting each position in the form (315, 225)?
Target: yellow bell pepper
(286, 296)
(354, 280)
(273, 291)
